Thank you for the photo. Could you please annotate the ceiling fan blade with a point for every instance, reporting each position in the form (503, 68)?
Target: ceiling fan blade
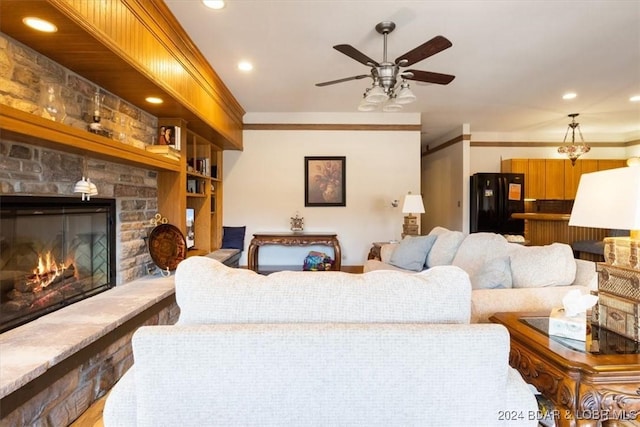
(346, 79)
(354, 53)
(429, 77)
(425, 50)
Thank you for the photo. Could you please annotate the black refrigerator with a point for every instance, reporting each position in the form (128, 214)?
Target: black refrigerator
(494, 197)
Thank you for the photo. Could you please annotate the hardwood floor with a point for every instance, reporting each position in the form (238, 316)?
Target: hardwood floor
(92, 417)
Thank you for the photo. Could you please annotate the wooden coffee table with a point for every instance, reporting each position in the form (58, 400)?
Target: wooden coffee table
(591, 383)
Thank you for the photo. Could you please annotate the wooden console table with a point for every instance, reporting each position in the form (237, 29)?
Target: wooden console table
(293, 239)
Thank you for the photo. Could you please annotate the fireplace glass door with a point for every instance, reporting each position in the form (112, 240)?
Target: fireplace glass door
(53, 252)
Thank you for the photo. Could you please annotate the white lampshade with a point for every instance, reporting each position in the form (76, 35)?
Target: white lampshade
(93, 190)
(391, 107)
(608, 199)
(81, 186)
(367, 106)
(376, 95)
(405, 95)
(413, 204)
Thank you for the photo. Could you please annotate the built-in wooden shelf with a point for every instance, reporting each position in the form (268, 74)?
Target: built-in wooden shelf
(32, 129)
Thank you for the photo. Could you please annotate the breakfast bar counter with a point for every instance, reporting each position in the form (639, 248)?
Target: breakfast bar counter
(546, 228)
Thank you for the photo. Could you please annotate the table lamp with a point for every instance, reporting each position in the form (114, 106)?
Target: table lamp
(611, 199)
(412, 204)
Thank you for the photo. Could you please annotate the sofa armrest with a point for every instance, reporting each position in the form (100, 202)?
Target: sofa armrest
(520, 400)
(120, 406)
(586, 274)
(386, 250)
(486, 302)
(374, 265)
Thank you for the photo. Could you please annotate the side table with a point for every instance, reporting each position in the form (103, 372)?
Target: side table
(293, 239)
(591, 383)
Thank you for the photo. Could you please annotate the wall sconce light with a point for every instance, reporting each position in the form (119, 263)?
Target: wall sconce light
(85, 186)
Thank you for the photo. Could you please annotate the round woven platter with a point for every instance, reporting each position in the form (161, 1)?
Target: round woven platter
(167, 246)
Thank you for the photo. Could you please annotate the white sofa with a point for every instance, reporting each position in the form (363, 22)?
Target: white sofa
(320, 349)
(504, 276)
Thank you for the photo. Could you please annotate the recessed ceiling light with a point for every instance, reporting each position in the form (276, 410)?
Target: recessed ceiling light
(569, 95)
(40, 24)
(635, 98)
(214, 4)
(245, 66)
(153, 100)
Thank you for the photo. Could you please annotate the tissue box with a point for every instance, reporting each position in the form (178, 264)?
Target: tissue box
(561, 325)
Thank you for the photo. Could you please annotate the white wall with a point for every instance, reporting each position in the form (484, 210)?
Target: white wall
(264, 188)
(443, 188)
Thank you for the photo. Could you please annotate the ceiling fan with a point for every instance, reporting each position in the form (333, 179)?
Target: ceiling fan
(386, 75)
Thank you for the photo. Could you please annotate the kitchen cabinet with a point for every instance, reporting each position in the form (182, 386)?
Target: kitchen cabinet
(605, 164)
(544, 178)
(555, 179)
(572, 175)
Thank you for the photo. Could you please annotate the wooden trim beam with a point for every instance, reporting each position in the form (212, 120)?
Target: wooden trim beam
(329, 126)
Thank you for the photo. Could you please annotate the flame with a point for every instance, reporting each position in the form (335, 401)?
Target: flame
(48, 268)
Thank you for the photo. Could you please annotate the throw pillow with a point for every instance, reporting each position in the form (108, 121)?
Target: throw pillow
(411, 253)
(233, 237)
(445, 246)
(494, 274)
(538, 266)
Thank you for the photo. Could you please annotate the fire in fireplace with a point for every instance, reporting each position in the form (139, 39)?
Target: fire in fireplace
(54, 251)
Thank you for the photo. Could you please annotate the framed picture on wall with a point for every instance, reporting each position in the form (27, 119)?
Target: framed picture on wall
(325, 181)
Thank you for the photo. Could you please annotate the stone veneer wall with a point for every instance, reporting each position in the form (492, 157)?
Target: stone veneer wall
(30, 170)
(67, 389)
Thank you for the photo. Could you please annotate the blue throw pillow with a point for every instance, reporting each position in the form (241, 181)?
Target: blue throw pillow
(233, 237)
(411, 253)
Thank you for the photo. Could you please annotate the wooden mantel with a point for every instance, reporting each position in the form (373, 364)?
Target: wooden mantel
(32, 129)
(134, 49)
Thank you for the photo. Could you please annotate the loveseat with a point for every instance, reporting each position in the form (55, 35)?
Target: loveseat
(504, 276)
(383, 348)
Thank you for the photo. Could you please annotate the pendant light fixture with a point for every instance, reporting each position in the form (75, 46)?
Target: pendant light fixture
(573, 150)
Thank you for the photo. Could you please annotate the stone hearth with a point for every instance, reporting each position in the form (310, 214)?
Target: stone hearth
(55, 367)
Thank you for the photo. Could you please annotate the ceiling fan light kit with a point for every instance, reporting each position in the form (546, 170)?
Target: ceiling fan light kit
(367, 106)
(405, 94)
(390, 88)
(376, 95)
(391, 107)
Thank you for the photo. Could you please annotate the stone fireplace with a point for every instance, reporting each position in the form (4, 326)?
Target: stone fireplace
(56, 365)
(54, 251)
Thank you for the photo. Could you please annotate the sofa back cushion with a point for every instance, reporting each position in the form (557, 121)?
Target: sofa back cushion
(445, 247)
(485, 257)
(210, 292)
(320, 374)
(538, 266)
